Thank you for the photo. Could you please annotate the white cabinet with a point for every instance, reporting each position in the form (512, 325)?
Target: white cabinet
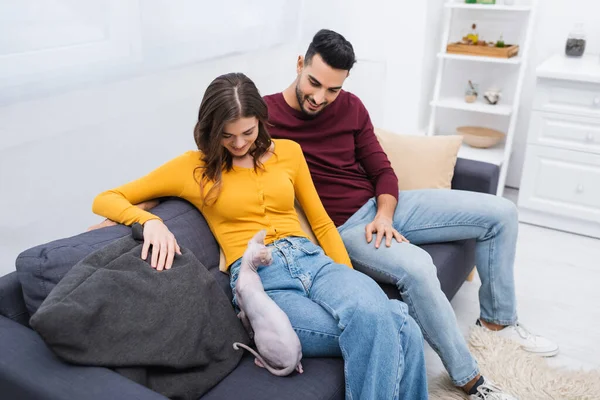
(560, 187)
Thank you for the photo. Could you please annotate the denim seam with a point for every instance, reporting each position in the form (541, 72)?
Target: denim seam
(331, 312)
(491, 279)
(504, 322)
(344, 354)
(400, 357)
(316, 332)
(431, 226)
(293, 268)
(366, 265)
(348, 391)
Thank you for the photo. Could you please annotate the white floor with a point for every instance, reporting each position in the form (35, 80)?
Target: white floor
(558, 293)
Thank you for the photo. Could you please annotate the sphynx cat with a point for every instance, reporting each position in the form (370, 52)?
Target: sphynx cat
(279, 349)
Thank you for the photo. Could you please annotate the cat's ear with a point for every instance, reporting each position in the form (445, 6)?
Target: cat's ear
(260, 237)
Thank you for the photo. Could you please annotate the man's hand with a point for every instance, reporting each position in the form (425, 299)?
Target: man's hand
(107, 222)
(146, 205)
(382, 227)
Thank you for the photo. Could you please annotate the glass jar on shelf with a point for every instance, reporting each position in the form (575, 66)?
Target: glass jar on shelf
(576, 40)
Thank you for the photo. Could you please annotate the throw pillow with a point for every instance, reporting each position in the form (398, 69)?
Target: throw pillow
(421, 162)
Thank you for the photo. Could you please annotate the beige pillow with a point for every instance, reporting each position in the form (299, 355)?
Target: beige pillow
(421, 162)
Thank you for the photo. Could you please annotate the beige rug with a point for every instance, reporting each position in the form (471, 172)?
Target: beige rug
(525, 376)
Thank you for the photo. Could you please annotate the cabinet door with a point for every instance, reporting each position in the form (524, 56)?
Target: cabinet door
(565, 131)
(561, 182)
(567, 97)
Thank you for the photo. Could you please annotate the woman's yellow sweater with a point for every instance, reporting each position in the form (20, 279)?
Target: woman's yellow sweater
(248, 201)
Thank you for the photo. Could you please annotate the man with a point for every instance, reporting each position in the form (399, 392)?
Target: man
(360, 192)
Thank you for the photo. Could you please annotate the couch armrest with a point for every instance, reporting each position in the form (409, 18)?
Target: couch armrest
(475, 176)
(12, 305)
(30, 371)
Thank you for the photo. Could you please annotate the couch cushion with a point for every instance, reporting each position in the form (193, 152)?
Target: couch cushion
(29, 370)
(12, 305)
(323, 378)
(42, 267)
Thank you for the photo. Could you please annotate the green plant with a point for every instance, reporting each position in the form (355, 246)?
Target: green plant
(500, 42)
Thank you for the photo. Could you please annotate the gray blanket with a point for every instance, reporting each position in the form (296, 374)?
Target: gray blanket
(171, 331)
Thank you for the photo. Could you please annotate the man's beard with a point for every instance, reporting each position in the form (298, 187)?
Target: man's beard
(300, 97)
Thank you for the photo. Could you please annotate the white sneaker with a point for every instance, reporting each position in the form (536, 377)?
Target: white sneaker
(529, 342)
(489, 391)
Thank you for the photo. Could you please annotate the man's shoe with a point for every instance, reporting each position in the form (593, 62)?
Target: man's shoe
(529, 342)
(489, 391)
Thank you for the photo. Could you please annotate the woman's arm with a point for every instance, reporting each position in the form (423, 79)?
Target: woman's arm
(323, 227)
(167, 180)
(146, 205)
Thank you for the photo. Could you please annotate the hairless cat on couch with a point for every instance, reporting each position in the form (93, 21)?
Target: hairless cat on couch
(279, 349)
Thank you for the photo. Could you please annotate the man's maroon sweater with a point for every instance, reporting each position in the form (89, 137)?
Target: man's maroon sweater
(346, 162)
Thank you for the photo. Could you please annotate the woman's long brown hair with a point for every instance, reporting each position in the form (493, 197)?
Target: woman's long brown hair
(227, 98)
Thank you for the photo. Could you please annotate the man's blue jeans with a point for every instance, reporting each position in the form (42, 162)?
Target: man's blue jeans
(435, 216)
(337, 311)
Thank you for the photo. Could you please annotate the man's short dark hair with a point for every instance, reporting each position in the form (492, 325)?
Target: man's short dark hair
(333, 48)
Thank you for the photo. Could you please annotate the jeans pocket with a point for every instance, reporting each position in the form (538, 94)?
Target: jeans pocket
(308, 247)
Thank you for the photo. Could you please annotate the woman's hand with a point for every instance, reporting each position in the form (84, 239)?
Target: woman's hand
(164, 245)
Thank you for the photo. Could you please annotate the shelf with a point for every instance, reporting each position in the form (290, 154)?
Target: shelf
(458, 103)
(462, 57)
(493, 155)
(487, 7)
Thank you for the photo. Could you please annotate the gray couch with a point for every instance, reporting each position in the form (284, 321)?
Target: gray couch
(29, 370)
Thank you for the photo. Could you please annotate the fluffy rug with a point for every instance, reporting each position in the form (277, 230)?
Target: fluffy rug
(525, 376)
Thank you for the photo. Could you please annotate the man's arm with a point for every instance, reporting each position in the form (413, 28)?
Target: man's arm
(373, 159)
(382, 224)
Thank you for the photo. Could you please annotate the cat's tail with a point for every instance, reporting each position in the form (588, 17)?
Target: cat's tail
(277, 372)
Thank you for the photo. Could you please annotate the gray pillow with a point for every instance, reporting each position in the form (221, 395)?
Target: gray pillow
(42, 267)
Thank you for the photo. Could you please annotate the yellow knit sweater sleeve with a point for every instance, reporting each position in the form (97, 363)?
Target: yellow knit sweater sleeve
(323, 227)
(169, 179)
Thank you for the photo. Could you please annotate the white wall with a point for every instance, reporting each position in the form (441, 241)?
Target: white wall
(555, 19)
(392, 43)
(98, 93)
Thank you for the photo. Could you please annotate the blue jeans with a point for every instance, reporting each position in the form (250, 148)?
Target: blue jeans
(337, 311)
(434, 216)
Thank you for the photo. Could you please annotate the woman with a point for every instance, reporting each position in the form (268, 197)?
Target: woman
(242, 182)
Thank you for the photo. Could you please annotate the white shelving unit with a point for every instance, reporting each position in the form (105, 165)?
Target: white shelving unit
(506, 109)
(460, 57)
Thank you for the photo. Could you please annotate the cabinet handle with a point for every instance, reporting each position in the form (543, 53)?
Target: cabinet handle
(579, 189)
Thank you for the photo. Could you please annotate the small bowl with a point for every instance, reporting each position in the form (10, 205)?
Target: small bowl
(480, 137)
